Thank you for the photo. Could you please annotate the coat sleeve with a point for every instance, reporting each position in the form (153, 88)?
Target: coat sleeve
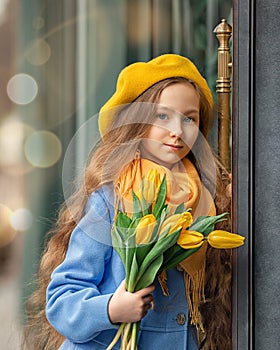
(81, 287)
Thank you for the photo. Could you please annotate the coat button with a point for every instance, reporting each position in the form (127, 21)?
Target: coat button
(181, 319)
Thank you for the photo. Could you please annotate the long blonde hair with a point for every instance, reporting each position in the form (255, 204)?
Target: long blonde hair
(115, 150)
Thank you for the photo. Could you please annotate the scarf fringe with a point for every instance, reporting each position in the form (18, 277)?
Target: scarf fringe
(162, 279)
(195, 295)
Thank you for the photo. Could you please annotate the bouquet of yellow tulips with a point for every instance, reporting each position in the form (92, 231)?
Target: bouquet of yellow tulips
(153, 239)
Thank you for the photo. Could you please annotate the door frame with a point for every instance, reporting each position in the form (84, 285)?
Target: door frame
(242, 168)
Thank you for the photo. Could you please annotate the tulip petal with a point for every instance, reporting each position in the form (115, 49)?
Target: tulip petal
(225, 240)
(175, 222)
(144, 229)
(190, 239)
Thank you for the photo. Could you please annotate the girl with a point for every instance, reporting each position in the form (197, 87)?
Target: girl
(158, 117)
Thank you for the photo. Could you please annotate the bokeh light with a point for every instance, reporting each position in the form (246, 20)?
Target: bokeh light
(38, 52)
(42, 149)
(38, 23)
(21, 219)
(12, 136)
(7, 232)
(22, 89)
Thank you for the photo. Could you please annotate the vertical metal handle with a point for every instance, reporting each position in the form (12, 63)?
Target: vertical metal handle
(223, 32)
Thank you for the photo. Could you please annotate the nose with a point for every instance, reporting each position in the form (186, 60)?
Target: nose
(176, 127)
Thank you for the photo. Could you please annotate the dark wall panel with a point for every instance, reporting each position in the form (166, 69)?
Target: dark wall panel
(266, 175)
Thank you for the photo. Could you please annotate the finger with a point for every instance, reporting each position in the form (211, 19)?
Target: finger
(144, 313)
(145, 291)
(147, 308)
(123, 283)
(122, 286)
(148, 299)
(151, 305)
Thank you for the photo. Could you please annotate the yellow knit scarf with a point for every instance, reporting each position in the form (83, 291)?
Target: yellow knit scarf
(183, 186)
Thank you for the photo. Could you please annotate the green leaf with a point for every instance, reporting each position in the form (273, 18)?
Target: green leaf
(122, 220)
(124, 228)
(133, 273)
(149, 275)
(205, 224)
(165, 233)
(137, 210)
(142, 251)
(134, 222)
(159, 248)
(172, 252)
(165, 241)
(154, 236)
(161, 197)
(129, 254)
(180, 209)
(145, 206)
(176, 254)
(118, 244)
(123, 234)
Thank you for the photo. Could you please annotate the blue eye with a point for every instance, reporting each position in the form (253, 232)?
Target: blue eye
(162, 116)
(188, 120)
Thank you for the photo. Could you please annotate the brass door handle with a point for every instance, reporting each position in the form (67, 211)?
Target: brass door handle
(223, 32)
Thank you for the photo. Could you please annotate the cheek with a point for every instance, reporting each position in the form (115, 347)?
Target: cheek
(190, 135)
(147, 144)
(155, 133)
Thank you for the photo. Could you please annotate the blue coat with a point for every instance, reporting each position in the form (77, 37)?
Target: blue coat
(80, 289)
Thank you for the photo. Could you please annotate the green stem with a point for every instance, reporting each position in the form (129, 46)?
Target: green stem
(117, 336)
(134, 336)
(125, 337)
(128, 347)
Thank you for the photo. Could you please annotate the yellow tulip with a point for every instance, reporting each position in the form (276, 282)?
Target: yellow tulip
(225, 240)
(144, 229)
(188, 220)
(175, 222)
(151, 185)
(190, 239)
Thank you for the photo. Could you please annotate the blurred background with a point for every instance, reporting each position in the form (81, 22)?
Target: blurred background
(59, 62)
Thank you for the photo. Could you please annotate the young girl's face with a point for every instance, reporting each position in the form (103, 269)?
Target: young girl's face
(175, 127)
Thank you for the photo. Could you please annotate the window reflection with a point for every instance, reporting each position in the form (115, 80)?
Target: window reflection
(69, 55)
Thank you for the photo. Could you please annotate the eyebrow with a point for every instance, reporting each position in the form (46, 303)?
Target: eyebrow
(186, 112)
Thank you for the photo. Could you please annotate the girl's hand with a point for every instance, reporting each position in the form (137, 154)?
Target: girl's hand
(129, 307)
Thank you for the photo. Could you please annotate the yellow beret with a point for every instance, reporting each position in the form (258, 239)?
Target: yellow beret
(136, 78)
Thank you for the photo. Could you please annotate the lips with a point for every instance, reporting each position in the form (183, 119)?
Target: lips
(173, 147)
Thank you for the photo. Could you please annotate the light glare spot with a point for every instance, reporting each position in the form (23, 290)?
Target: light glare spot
(22, 89)
(39, 52)
(7, 232)
(12, 136)
(42, 149)
(21, 219)
(39, 23)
